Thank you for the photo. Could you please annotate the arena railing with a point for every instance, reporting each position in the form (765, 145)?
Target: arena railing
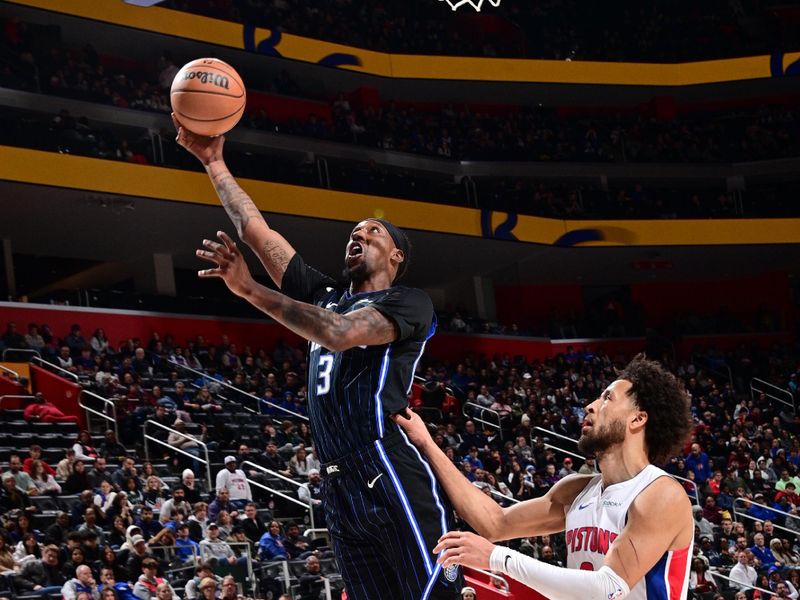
(40, 362)
(720, 369)
(744, 514)
(714, 573)
(203, 445)
(16, 397)
(12, 372)
(582, 458)
(235, 390)
(306, 505)
(22, 351)
(169, 553)
(483, 410)
(503, 581)
(759, 386)
(93, 411)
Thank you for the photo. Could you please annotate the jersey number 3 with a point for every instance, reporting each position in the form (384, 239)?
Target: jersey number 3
(324, 374)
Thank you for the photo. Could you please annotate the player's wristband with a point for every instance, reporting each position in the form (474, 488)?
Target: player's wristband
(558, 583)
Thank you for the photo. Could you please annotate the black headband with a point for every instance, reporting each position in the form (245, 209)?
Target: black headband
(401, 242)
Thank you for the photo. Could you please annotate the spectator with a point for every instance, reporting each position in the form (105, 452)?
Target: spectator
(235, 481)
(66, 465)
(252, 524)
(311, 581)
(35, 453)
(220, 503)
(743, 575)
(271, 543)
(127, 470)
(311, 493)
(33, 339)
(203, 571)
(42, 576)
(229, 591)
(700, 581)
(12, 498)
(98, 474)
(27, 549)
(84, 448)
(13, 338)
(111, 449)
(22, 480)
(83, 582)
(188, 550)
(215, 550)
(208, 589)
(46, 412)
(763, 555)
(297, 546)
(273, 461)
(79, 479)
(147, 584)
(109, 581)
(698, 461)
(468, 593)
(139, 552)
(191, 489)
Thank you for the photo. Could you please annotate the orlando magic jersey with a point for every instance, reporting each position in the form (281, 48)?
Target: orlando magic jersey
(352, 393)
(597, 516)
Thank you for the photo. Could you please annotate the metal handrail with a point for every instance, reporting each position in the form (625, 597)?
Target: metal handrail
(203, 445)
(14, 396)
(583, 458)
(276, 475)
(721, 369)
(767, 384)
(752, 518)
(237, 390)
(506, 588)
(497, 425)
(90, 410)
(40, 362)
(22, 350)
(12, 371)
(503, 496)
(580, 457)
(715, 573)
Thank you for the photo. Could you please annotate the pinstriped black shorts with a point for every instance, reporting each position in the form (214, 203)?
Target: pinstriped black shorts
(385, 511)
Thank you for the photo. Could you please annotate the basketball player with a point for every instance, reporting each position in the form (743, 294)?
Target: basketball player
(365, 341)
(629, 531)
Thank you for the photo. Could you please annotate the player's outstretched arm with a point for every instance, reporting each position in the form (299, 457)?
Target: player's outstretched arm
(534, 517)
(659, 520)
(363, 327)
(271, 247)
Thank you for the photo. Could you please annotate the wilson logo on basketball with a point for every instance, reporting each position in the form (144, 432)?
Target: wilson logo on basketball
(207, 77)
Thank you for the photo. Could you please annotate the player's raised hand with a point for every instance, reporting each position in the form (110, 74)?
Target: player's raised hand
(206, 149)
(414, 427)
(465, 549)
(230, 264)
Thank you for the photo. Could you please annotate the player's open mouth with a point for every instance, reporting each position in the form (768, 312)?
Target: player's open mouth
(354, 251)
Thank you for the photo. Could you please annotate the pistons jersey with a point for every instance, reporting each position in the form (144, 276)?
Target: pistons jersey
(596, 518)
(351, 394)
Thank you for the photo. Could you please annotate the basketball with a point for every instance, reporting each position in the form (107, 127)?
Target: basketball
(208, 96)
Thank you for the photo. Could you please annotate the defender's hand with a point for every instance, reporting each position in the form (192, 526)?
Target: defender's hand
(414, 426)
(465, 549)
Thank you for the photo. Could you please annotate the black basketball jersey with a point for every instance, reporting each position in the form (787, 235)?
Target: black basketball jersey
(352, 393)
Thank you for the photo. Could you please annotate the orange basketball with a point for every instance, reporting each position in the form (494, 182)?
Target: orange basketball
(208, 96)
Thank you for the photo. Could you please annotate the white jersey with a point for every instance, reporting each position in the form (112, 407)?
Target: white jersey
(236, 482)
(596, 518)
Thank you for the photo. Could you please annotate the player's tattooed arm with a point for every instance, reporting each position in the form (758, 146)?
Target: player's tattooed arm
(239, 206)
(363, 327)
(271, 247)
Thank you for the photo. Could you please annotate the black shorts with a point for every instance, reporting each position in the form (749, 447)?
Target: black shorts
(385, 512)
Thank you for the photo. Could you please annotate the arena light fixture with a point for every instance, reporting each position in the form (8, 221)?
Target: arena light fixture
(144, 3)
(476, 4)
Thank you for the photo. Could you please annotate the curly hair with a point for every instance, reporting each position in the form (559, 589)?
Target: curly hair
(657, 392)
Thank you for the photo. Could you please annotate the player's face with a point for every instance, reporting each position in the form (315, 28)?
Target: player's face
(605, 423)
(368, 251)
